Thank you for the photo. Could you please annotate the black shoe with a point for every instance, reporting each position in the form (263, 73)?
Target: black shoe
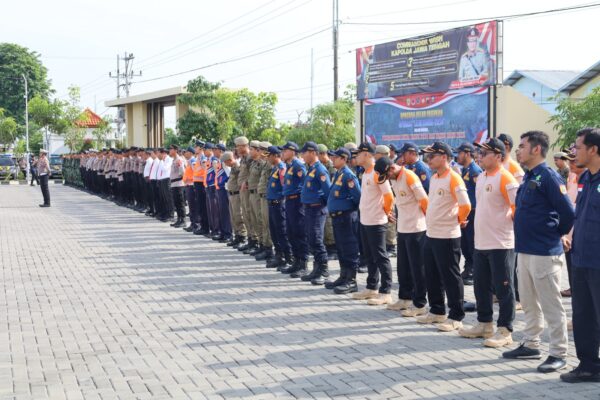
(218, 237)
(552, 364)
(469, 306)
(578, 375)
(313, 274)
(44, 205)
(523, 353)
(362, 269)
(263, 255)
(239, 244)
(225, 239)
(288, 260)
(391, 250)
(246, 246)
(332, 284)
(179, 224)
(467, 279)
(349, 286)
(199, 232)
(190, 228)
(322, 274)
(256, 250)
(232, 242)
(299, 269)
(275, 261)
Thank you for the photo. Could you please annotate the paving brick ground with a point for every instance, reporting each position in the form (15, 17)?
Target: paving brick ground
(100, 302)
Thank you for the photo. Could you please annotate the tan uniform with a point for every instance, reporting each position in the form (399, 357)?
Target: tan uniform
(264, 203)
(235, 202)
(245, 164)
(255, 209)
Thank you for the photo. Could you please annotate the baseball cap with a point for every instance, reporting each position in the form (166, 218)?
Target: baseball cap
(493, 144)
(255, 144)
(382, 166)
(290, 146)
(382, 149)
(439, 148)
(309, 146)
(200, 143)
(322, 148)
(221, 147)
(274, 150)
(365, 146)
(409, 146)
(174, 147)
(394, 148)
(506, 139)
(190, 149)
(466, 147)
(342, 152)
(209, 146)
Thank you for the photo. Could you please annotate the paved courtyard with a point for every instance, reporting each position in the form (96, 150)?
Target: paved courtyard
(100, 302)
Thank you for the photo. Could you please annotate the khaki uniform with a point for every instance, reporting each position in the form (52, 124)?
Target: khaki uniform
(245, 164)
(264, 203)
(255, 209)
(235, 202)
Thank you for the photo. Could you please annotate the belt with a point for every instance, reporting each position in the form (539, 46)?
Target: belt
(176, 180)
(252, 191)
(292, 196)
(275, 202)
(314, 205)
(231, 193)
(339, 213)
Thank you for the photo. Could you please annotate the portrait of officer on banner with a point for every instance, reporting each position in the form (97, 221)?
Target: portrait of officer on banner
(475, 64)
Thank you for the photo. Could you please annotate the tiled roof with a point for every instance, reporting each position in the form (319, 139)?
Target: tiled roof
(89, 119)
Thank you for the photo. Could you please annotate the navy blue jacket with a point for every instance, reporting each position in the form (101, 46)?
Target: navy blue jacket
(586, 235)
(294, 177)
(544, 213)
(469, 175)
(345, 191)
(315, 188)
(275, 184)
(422, 171)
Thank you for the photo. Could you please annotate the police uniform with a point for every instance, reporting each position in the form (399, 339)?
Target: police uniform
(177, 185)
(188, 180)
(245, 165)
(254, 198)
(277, 219)
(294, 213)
(315, 191)
(473, 65)
(265, 172)
(342, 205)
(212, 164)
(221, 179)
(199, 173)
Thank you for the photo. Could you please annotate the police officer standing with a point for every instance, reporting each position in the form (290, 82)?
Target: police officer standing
(43, 167)
(235, 202)
(177, 185)
(410, 154)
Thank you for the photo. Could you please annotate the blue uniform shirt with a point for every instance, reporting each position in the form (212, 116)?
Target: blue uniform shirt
(586, 235)
(469, 175)
(210, 171)
(221, 178)
(294, 177)
(315, 188)
(422, 171)
(345, 191)
(275, 182)
(544, 213)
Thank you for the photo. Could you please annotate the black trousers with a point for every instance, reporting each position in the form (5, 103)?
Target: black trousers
(493, 273)
(467, 242)
(178, 201)
(346, 235)
(586, 317)
(277, 227)
(153, 196)
(45, 189)
(165, 199)
(375, 253)
(442, 270)
(34, 176)
(201, 205)
(314, 226)
(190, 196)
(411, 270)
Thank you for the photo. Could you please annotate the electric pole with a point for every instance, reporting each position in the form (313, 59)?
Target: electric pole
(126, 75)
(336, 27)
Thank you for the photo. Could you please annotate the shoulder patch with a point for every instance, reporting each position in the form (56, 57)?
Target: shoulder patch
(563, 189)
(351, 183)
(423, 177)
(323, 178)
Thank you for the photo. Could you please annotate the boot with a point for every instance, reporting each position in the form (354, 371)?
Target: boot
(275, 261)
(259, 248)
(288, 260)
(323, 273)
(241, 242)
(190, 228)
(339, 281)
(180, 223)
(245, 246)
(253, 246)
(300, 269)
(349, 285)
(265, 254)
(313, 274)
(231, 242)
(501, 338)
(481, 330)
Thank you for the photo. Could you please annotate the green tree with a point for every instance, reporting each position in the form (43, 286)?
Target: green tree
(572, 115)
(196, 125)
(102, 131)
(16, 61)
(8, 129)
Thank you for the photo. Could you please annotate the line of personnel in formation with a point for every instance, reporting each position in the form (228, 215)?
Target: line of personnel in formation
(262, 197)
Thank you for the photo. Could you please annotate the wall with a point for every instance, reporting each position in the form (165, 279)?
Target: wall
(136, 124)
(584, 90)
(527, 87)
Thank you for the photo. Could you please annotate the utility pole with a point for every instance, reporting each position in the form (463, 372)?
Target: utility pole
(26, 126)
(127, 75)
(312, 75)
(336, 27)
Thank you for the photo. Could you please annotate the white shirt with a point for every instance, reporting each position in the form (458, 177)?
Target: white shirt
(154, 169)
(147, 167)
(164, 170)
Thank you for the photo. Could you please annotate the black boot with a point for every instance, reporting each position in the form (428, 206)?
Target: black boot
(241, 242)
(259, 249)
(300, 271)
(180, 223)
(190, 228)
(246, 246)
(349, 286)
(323, 273)
(252, 249)
(313, 273)
(275, 261)
(265, 254)
(340, 280)
(288, 260)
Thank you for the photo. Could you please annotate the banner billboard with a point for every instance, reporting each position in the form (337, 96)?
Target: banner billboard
(453, 117)
(452, 59)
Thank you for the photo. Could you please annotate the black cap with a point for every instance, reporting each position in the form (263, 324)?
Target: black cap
(365, 146)
(331, 153)
(493, 144)
(290, 146)
(274, 150)
(506, 139)
(439, 148)
(394, 148)
(200, 143)
(162, 150)
(221, 147)
(466, 147)
(174, 147)
(310, 146)
(409, 146)
(209, 146)
(382, 166)
(191, 149)
(342, 152)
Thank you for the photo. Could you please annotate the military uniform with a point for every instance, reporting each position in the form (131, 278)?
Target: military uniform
(254, 200)
(267, 243)
(473, 65)
(245, 165)
(235, 206)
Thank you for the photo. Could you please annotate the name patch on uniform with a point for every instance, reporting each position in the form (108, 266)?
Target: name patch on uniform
(299, 173)
(440, 192)
(272, 184)
(488, 188)
(288, 182)
(337, 193)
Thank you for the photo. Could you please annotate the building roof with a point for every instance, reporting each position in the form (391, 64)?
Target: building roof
(89, 119)
(551, 79)
(581, 78)
(151, 96)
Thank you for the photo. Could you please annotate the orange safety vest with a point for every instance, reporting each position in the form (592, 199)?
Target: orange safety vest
(188, 174)
(199, 171)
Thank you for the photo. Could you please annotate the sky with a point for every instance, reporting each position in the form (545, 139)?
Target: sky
(79, 41)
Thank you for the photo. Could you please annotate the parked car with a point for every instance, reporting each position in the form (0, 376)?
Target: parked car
(8, 168)
(55, 166)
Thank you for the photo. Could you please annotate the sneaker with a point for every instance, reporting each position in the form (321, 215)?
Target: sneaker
(518, 306)
(383, 298)
(430, 318)
(365, 295)
(449, 325)
(523, 353)
(413, 311)
(501, 338)
(578, 375)
(552, 364)
(399, 305)
(481, 330)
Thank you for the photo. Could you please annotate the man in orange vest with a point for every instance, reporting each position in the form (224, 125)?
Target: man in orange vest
(199, 176)
(190, 193)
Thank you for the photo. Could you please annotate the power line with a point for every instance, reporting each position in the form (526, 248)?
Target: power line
(235, 59)
(511, 16)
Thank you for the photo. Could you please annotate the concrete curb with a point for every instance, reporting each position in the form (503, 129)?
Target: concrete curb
(24, 183)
